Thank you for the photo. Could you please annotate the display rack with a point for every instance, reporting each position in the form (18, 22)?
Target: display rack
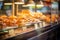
(28, 27)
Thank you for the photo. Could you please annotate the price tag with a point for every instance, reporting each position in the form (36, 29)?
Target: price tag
(40, 25)
(44, 24)
(24, 28)
(11, 32)
(36, 26)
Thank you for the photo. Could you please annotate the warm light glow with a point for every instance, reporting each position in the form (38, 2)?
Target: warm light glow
(33, 5)
(30, 5)
(19, 2)
(7, 3)
(1, 0)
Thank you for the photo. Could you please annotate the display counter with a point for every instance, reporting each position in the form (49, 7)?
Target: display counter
(32, 34)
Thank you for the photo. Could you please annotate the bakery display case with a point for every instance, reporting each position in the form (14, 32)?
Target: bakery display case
(26, 16)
